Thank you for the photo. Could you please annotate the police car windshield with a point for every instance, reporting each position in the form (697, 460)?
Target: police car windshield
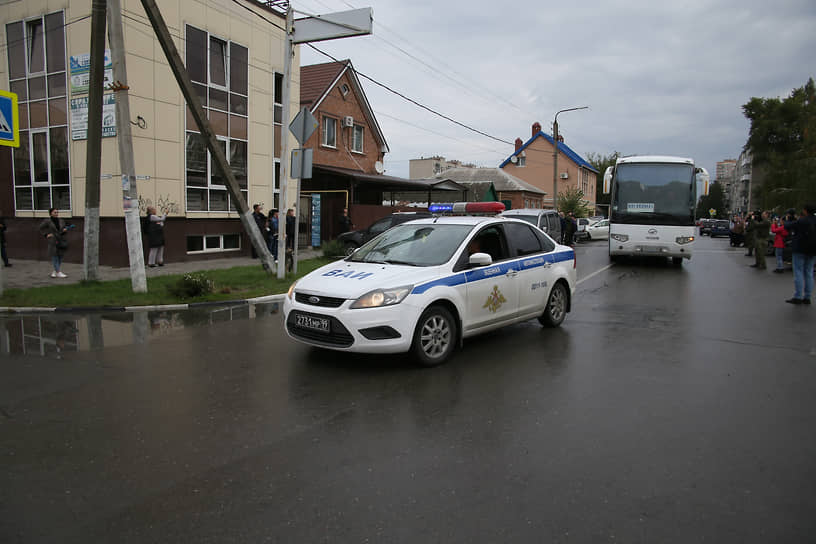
(413, 245)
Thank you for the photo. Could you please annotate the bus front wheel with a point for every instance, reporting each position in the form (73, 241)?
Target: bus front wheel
(677, 261)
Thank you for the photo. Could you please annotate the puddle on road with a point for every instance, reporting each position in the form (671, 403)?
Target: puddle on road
(53, 334)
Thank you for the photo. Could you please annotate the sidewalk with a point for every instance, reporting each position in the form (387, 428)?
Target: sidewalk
(25, 274)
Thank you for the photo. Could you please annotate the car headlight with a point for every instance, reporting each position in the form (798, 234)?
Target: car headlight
(620, 237)
(291, 292)
(382, 297)
(684, 239)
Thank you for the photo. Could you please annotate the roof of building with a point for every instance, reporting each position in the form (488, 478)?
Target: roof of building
(317, 81)
(392, 183)
(502, 181)
(562, 149)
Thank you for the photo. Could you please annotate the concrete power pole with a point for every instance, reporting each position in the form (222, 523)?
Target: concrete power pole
(93, 157)
(203, 124)
(288, 53)
(130, 194)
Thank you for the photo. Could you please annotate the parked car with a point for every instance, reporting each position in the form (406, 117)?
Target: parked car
(546, 220)
(598, 230)
(426, 285)
(353, 239)
(705, 226)
(719, 227)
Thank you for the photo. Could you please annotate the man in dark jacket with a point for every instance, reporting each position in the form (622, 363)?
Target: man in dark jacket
(260, 220)
(803, 245)
(290, 229)
(571, 227)
(760, 228)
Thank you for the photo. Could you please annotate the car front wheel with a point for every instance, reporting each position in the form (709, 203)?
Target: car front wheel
(434, 336)
(556, 309)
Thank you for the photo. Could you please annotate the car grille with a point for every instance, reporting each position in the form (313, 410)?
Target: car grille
(323, 302)
(338, 335)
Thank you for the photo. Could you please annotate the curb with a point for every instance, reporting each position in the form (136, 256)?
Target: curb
(160, 307)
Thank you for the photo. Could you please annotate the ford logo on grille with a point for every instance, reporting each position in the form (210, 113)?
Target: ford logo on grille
(314, 300)
(652, 231)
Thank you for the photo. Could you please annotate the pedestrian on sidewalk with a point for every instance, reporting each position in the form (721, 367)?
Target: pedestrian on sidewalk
(54, 230)
(155, 237)
(3, 253)
(803, 245)
(261, 221)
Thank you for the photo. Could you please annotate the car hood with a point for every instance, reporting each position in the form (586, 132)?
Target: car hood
(350, 280)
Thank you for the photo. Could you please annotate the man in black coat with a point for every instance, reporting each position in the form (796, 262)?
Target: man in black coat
(260, 220)
(290, 229)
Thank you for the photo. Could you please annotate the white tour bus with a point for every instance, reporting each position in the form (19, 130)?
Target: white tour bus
(651, 209)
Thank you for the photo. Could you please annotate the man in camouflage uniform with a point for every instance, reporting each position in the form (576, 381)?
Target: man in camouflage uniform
(760, 230)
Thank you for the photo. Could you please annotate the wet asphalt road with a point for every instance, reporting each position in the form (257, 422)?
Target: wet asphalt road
(671, 406)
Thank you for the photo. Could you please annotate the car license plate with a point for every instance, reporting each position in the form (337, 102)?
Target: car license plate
(320, 324)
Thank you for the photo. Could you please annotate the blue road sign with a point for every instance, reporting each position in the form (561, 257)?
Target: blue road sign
(9, 120)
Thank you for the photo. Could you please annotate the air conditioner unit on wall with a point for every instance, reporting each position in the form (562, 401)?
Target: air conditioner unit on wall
(564, 175)
(348, 121)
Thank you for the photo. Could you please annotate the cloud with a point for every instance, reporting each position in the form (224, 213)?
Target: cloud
(659, 77)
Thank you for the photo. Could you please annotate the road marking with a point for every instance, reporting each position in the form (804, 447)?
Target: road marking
(582, 280)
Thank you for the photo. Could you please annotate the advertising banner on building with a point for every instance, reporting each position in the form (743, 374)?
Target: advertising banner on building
(81, 72)
(79, 117)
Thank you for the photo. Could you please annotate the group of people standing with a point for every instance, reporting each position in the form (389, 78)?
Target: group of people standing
(798, 229)
(269, 225)
(569, 226)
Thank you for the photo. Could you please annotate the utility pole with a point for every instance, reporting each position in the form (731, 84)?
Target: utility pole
(93, 156)
(329, 26)
(203, 124)
(288, 53)
(555, 154)
(130, 194)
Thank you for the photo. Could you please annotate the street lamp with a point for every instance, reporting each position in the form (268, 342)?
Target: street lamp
(555, 154)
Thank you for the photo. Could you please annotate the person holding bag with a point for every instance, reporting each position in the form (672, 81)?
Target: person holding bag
(54, 230)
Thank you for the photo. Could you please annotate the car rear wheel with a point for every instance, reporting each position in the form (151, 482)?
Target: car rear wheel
(434, 336)
(556, 309)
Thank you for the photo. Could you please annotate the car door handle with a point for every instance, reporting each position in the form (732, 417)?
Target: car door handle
(511, 273)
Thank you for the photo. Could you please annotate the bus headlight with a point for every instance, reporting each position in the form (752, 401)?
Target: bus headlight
(621, 237)
(382, 297)
(684, 239)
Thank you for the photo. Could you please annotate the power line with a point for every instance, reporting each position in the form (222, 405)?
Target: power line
(412, 101)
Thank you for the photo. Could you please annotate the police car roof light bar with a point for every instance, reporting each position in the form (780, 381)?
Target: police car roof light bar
(468, 208)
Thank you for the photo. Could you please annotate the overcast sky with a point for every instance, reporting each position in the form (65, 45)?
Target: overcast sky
(659, 77)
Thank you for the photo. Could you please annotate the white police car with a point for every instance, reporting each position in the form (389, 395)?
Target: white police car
(425, 285)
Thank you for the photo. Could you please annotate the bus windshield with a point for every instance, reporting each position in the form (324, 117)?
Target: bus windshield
(654, 194)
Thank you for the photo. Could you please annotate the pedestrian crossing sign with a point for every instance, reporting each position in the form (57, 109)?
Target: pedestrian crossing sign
(9, 120)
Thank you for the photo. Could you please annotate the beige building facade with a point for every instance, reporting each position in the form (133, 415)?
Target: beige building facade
(234, 54)
(532, 161)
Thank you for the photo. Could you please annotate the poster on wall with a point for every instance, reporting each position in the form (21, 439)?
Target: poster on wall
(81, 72)
(79, 117)
(315, 220)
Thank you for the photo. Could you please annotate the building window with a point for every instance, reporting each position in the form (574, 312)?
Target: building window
(329, 131)
(211, 243)
(344, 89)
(357, 138)
(278, 98)
(219, 72)
(522, 160)
(36, 61)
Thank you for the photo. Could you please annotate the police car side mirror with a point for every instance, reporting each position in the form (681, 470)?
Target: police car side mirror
(480, 259)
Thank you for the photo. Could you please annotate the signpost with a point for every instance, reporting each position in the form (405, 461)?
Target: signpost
(343, 24)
